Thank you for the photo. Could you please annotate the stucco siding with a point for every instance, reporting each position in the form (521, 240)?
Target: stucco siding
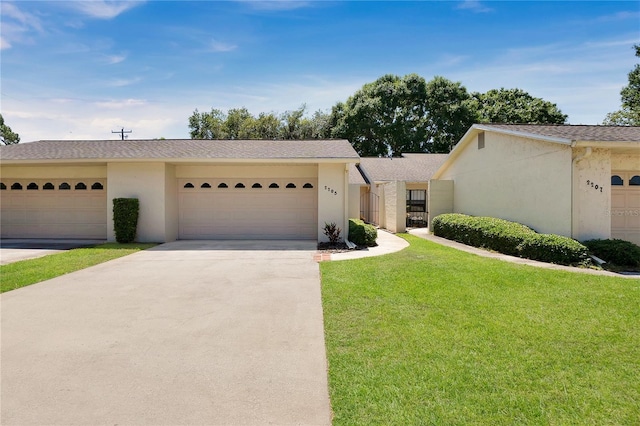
(333, 193)
(53, 172)
(395, 206)
(514, 178)
(440, 198)
(354, 201)
(248, 171)
(146, 182)
(592, 194)
(625, 162)
(171, 203)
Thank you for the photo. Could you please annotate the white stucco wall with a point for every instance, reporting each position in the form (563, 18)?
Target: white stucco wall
(514, 178)
(592, 195)
(146, 182)
(333, 193)
(248, 171)
(627, 162)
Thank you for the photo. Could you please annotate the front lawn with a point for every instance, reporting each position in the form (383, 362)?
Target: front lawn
(31, 271)
(432, 335)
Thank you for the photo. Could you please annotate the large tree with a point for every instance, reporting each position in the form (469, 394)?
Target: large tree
(385, 117)
(514, 106)
(629, 114)
(239, 123)
(7, 136)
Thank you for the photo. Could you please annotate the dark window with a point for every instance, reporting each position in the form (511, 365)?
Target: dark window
(81, 186)
(480, 140)
(416, 200)
(223, 185)
(188, 185)
(32, 186)
(48, 186)
(307, 185)
(256, 185)
(64, 186)
(205, 185)
(291, 185)
(97, 185)
(16, 186)
(274, 185)
(616, 180)
(634, 181)
(240, 185)
(3, 186)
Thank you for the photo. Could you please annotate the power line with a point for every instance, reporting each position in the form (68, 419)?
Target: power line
(122, 132)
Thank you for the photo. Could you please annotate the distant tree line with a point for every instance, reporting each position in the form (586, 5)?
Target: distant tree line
(7, 136)
(629, 113)
(389, 116)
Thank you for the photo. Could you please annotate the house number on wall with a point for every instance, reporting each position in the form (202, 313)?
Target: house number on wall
(594, 185)
(331, 190)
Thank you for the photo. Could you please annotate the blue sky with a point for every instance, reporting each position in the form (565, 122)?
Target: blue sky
(78, 70)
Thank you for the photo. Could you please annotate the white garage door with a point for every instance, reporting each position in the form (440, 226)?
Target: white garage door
(625, 206)
(36, 208)
(248, 209)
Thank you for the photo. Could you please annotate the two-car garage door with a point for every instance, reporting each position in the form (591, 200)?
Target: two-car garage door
(53, 208)
(248, 209)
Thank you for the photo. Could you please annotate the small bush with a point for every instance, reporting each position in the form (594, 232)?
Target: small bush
(617, 252)
(509, 238)
(332, 232)
(125, 219)
(361, 233)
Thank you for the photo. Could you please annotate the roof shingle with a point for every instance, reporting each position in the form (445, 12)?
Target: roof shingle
(574, 132)
(182, 149)
(408, 168)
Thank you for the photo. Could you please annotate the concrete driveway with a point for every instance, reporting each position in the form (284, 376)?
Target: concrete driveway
(191, 332)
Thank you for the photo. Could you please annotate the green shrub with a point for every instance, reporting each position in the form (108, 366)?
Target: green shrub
(509, 238)
(125, 219)
(617, 252)
(361, 233)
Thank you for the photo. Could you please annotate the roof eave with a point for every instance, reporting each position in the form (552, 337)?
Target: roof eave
(340, 160)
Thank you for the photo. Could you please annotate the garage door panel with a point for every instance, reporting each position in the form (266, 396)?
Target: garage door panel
(54, 213)
(625, 209)
(246, 213)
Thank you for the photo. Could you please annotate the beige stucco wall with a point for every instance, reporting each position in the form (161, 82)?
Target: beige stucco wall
(333, 197)
(395, 206)
(146, 182)
(248, 171)
(517, 179)
(627, 162)
(53, 172)
(591, 194)
(171, 203)
(439, 198)
(354, 201)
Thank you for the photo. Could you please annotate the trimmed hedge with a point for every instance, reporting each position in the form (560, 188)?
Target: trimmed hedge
(618, 252)
(125, 219)
(362, 234)
(509, 238)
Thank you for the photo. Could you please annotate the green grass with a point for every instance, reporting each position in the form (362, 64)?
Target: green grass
(31, 271)
(432, 335)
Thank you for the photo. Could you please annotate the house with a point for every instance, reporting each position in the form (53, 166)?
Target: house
(573, 180)
(188, 189)
(392, 191)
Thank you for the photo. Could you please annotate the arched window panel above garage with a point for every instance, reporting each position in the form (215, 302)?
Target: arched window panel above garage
(634, 181)
(616, 181)
(188, 185)
(48, 186)
(32, 186)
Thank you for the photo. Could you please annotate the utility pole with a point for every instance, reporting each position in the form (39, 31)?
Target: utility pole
(121, 131)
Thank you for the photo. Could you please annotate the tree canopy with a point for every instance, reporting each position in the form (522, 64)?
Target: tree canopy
(239, 123)
(389, 116)
(629, 114)
(7, 136)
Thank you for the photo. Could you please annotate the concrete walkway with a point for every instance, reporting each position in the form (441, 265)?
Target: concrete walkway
(424, 233)
(387, 243)
(187, 333)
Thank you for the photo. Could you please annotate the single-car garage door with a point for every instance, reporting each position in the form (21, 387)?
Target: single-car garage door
(625, 206)
(248, 209)
(55, 208)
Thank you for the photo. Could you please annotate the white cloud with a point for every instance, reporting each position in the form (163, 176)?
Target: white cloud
(103, 9)
(120, 104)
(219, 46)
(473, 6)
(114, 59)
(122, 82)
(17, 26)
